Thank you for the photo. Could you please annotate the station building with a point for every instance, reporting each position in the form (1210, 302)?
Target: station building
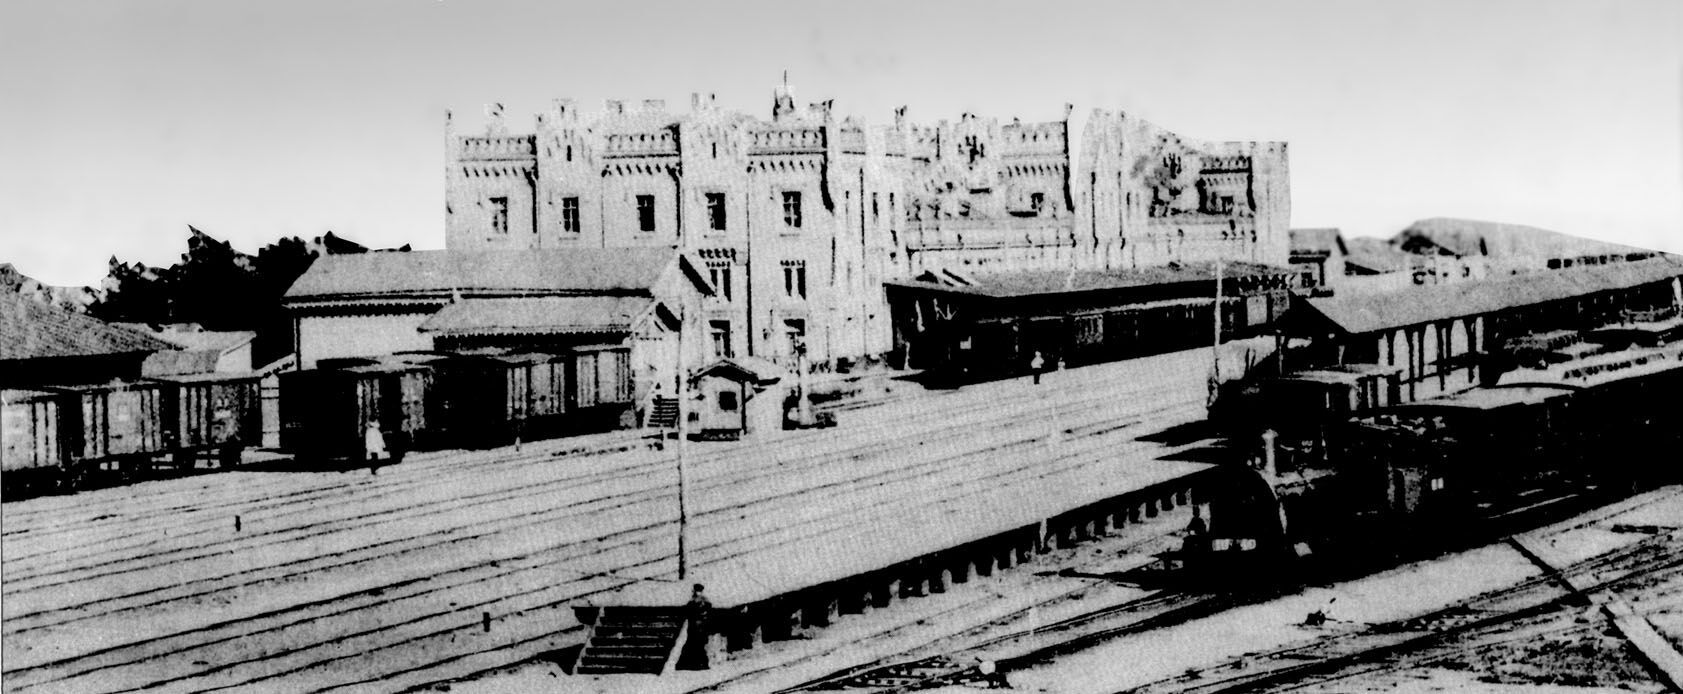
(538, 300)
(799, 221)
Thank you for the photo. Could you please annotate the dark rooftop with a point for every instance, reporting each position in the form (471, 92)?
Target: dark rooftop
(30, 329)
(538, 315)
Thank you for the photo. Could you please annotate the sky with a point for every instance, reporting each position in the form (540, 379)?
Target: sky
(124, 121)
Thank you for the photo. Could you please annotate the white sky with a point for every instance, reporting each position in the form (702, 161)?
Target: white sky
(123, 121)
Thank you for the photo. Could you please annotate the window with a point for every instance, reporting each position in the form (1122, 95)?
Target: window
(873, 207)
(794, 335)
(792, 209)
(570, 214)
(1037, 202)
(499, 215)
(645, 213)
(569, 152)
(716, 211)
(727, 401)
(719, 274)
(720, 332)
(794, 279)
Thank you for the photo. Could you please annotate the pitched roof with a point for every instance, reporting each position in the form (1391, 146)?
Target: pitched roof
(1033, 282)
(441, 273)
(179, 362)
(33, 330)
(538, 315)
(751, 369)
(1317, 241)
(215, 341)
(1365, 313)
(1375, 255)
(1471, 237)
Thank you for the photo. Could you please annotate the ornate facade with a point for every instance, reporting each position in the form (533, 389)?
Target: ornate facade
(800, 219)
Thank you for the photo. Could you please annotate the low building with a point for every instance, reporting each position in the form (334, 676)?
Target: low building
(202, 351)
(1319, 254)
(540, 300)
(1441, 337)
(988, 325)
(738, 396)
(47, 345)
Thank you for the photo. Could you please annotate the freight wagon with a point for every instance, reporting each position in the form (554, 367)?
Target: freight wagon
(120, 427)
(600, 392)
(327, 414)
(212, 413)
(32, 452)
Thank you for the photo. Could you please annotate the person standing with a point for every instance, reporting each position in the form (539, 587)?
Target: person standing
(374, 447)
(1036, 365)
(694, 656)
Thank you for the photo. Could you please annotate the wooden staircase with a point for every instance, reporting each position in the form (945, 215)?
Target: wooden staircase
(625, 640)
(663, 414)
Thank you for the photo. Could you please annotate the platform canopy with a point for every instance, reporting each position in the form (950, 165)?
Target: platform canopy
(1038, 283)
(1368, 313)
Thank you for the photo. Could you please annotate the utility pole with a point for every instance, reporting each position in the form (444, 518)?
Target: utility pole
(1215, 349)
(683, 449)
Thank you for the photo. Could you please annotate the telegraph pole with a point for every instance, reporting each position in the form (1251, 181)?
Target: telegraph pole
(683, 450)
(1215, 349)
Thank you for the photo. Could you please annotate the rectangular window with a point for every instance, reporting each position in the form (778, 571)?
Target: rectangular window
(794, 335)
(727, 401)
(499, 215)
(794, 279)
(645, 213)
(874, 207)
(716, 211)
(1037, 202)
(570, 214)
(719, 275)
(792, 209)
(720, 332)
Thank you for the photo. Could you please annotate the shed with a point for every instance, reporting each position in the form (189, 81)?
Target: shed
(738, 395)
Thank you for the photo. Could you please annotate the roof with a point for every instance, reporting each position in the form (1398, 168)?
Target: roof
(1471, 237)
(443, 273)
(180, 362)
(220, 342)
(750, 369)
(32, 330)
(1317, 242)
(1484, 399)
(1366, 313)
(1375, 255)
(538, 315)
(1035, 282)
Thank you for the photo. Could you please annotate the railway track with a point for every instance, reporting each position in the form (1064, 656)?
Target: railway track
(418, 579)
(1542, 606)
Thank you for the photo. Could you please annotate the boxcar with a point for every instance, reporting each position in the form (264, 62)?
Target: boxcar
(213, 412)
(326, 413)
(481, 398)
(599, 386)
(32, 451)
(116, 422)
